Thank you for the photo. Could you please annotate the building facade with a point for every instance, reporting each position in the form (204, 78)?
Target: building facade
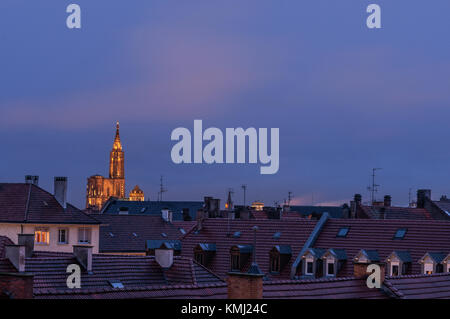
(99, 188)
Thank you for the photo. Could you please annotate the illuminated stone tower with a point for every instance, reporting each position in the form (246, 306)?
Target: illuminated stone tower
(100, 189)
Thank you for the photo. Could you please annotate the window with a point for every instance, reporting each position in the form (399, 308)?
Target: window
(394, 270)
(63, 236)
(84, 235)
(439, 268)
(275, 263)
(277, 235)
(428, 268)
(400, 233)
(200, 258)
(342, 232)
(42, 236)
(330, 268)
(309, 267)
(235, 262)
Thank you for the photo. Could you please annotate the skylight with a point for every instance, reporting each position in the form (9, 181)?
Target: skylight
(111, 234)
(135, 235)
(143, 209)
(237, 234)
(400, 233)
(277, 235)
(164, 235)
(342, 232)
(182, 230)
(116, 284)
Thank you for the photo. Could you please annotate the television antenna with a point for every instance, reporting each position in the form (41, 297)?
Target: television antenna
(374, 188)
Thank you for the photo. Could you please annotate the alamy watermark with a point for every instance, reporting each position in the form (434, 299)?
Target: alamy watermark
(235, 146)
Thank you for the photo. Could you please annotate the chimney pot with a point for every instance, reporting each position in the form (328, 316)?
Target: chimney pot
(32, 179)
(387, 201)
(61, 190)
(164, 257)
(83, 254)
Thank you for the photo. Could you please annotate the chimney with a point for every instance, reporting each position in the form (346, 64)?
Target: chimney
(387, 201)
(360, 270)
(245, 286)
(30, 179)
(358, 199)
(27, 240)
(200, 217)
(164, 256)
(83, 254)
(16, 256)
(61, 191)
(422, 195)
(167, 215)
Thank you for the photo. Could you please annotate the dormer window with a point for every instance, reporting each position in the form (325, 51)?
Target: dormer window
(432, 262)
(312, 262)
(398, 263)
(279, 257)
(239, 255)
(204, 252)
(333, 259)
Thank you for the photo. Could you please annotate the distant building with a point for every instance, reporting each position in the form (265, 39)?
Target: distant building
(99, 188)
(137, 194)
(28, 210)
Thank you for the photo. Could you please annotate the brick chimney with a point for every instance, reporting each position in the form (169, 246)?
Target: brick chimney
(16, 256)
(200, 217)
(83, 254)
(245, 286)
(61, 191)
(422, 195)
(387, 201)
(27, 240)
(360, 270)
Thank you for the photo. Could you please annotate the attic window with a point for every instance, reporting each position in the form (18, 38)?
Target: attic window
(237, 234)
(400, 233)
(116, 284)
(277, 235)
(342, 232)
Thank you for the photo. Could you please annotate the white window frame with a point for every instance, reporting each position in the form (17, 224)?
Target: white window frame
(84, 231)
(330, 261)
(391, 269)
(309, 260)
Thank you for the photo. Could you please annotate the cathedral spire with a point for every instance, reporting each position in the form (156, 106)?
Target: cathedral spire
(117, 145)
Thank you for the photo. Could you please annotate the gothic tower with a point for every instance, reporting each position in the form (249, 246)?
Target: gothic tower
(99, 188)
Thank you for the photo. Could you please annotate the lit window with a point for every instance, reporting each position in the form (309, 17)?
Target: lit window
(342, 232)
(428, 268)
(42, 236)
(63, 236)
(400, 233)
(84, 235)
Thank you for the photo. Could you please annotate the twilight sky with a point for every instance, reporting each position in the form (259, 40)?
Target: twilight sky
(346, 98)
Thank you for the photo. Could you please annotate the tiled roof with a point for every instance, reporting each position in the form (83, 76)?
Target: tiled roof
(333, 211)
(27, 203)
(129, 233)
(4, 241)
(152, 207)
(422, 236)
(444, 206)
(214, 231)
(333, 288)
(136, 273)
(420, 286)
(392, 212)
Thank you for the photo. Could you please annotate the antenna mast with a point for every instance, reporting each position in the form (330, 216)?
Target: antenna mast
(374, 188)
(289, 198)
(244, 187)
(161, 189)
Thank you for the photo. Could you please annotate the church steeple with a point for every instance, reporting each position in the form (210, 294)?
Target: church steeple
(116, 163)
